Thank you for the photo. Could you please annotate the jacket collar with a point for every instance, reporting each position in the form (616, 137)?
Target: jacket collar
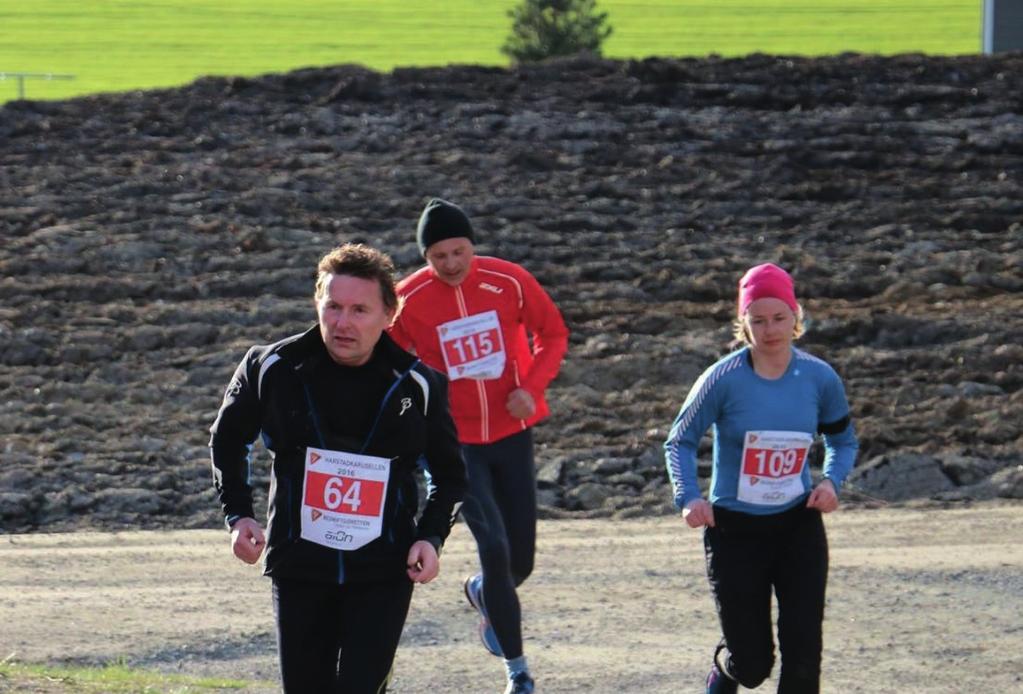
(309, 346)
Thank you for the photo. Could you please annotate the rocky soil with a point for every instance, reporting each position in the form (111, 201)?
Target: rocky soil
(148, 238)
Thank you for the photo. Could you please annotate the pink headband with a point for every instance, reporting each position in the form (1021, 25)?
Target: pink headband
(763, 281)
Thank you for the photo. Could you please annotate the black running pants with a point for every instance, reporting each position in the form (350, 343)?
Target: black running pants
(749, 556)
(338, 639)
(500, 510)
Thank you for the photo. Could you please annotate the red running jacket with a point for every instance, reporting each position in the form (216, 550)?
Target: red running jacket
(476, 333)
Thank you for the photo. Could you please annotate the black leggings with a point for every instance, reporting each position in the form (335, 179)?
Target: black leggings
(338, 639)
(749, 555)
(500, 510)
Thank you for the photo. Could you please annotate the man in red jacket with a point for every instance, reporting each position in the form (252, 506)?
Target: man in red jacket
(471, 318)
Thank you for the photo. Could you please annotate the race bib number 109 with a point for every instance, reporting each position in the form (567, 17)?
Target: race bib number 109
(772, 466)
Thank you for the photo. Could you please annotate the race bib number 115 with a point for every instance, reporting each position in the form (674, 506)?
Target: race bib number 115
(472, 346)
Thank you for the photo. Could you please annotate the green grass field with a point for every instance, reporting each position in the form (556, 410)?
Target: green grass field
(116, 45)
(111, 679)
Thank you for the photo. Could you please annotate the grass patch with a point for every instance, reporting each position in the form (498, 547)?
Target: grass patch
(109, 679)
(117, 45)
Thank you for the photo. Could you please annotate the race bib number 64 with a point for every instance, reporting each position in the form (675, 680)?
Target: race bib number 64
(772, 466)
(343, 498)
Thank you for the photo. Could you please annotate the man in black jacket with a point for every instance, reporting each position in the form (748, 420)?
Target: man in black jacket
(345, 414)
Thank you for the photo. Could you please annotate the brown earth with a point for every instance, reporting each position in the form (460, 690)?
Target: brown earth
(919, 601)
(148, 238)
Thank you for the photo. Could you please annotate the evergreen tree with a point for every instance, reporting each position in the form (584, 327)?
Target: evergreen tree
(548, 28)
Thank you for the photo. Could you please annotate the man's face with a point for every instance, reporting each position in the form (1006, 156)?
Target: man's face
(451, 259)
(352, 316)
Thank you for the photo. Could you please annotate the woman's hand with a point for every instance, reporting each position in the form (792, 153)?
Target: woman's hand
(698, 513)
(824, 498)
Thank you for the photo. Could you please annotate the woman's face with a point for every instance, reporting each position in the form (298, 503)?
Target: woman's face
(770, 324)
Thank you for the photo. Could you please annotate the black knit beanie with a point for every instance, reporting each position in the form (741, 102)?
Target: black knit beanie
(442, 220)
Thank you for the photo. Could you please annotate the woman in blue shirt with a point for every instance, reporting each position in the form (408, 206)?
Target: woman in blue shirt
(765, 403)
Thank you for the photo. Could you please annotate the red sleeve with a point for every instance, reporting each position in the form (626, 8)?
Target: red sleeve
(400, 331)
(550, 335)
(400, 335)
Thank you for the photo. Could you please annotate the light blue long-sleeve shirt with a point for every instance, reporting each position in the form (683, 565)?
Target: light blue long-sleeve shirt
(730, 397)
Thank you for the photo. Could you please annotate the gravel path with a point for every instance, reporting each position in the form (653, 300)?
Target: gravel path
(920, 600)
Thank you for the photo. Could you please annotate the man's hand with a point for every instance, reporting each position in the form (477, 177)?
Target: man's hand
(698, 513)
(520, 404)
(247, 540)
(423, 563)
(823, 497)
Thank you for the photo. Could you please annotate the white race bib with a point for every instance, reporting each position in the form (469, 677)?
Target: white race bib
(772, 467)
(343, 498)
(473, 347)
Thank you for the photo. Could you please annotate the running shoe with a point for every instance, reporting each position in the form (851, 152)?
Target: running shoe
(521, 683)
(719, 683)
(473, 587)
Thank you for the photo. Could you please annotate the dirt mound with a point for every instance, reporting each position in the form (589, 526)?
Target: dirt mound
(148, 238)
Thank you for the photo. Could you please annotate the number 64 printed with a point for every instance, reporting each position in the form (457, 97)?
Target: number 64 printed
(343, 494)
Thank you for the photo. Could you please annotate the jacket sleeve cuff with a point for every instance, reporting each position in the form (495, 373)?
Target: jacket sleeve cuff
(233, 516)
(435, 541)
(682, 499)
